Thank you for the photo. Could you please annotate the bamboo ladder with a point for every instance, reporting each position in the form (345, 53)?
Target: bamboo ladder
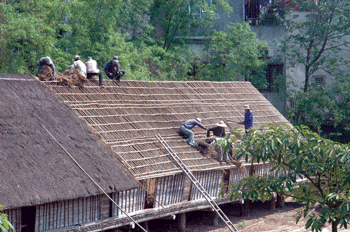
(194, 180)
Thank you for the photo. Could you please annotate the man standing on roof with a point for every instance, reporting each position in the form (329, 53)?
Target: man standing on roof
(47, 61)
(248, 119)
(79, 65)
(218, 130)
(186, 127)
(92, 70)
(112, 69)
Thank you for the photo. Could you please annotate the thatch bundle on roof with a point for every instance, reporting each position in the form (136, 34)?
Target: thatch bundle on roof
(70, 77)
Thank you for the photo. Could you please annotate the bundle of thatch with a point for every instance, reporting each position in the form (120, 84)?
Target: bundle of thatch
(206, 150)
(74, 76)
(210, 151)
(45, 73)
(70, 77)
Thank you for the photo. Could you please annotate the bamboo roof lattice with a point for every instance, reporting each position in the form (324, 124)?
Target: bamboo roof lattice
(129, 114)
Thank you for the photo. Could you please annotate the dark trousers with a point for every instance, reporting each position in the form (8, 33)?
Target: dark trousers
(100, 77)
(116, 75)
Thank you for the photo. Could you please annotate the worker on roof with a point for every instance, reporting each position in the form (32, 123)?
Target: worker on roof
(112, 69)
(248, 119)
(218, 130)
(79, 65)
(47, 61)
(186, 127)
(92, 70)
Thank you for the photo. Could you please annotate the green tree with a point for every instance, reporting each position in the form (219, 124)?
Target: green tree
(182, 18)
(298, 154)
(5, 225)
(235, 55)
(316, 43)
(325, 109)
(29, 30)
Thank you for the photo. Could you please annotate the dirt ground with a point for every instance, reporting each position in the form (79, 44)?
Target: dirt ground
(260, 219)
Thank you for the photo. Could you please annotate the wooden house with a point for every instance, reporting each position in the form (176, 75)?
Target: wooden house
(48, 159)
(128, 115)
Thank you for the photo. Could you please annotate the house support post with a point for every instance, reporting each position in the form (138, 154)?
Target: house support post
(145, 225)
(181, 219)
(245, 207)
(215, 217)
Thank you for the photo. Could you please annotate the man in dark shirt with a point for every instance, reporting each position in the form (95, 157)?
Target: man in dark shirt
(186, 127)
(219, 130)
(248, 118)
(112, 69)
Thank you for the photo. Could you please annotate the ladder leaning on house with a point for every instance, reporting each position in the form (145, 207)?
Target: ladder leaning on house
(194, 180)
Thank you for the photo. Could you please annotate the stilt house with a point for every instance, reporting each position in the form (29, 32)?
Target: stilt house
(128, 115)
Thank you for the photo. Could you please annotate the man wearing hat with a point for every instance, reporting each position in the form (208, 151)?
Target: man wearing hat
(79, 65)
(112, 69)
(248, 118)
(47, 61)
(92, 70)
(186, 127)
(218, 130)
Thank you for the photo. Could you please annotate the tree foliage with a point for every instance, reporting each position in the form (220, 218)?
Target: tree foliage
(317, 41)
(299, 154)
(147, 39)
(5, 225)
(180, 18)
(236, 54)
(325, 109)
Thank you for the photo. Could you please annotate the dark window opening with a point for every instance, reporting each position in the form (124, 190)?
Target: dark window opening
(319, 80)
(28, 219)
(273, 77)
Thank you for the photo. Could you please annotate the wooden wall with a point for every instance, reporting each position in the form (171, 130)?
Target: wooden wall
(130, 200)
(211, 182)
(237, 174)
(14, 216)
(169, 190)
(67, 213)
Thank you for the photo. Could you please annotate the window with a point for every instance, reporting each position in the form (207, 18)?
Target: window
(319, 80)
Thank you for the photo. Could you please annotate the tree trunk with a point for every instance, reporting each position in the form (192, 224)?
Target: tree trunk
(307, 75)
(334, 227)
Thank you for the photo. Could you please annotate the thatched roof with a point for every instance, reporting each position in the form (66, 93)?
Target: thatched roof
(34, 169)
(127, 115)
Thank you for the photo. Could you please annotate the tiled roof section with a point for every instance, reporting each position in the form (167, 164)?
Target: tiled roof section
(129, 114)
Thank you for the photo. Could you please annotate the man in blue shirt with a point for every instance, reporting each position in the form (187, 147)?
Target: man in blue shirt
(248, 118)
(186, 127)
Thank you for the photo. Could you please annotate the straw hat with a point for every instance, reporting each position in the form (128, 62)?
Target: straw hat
(221, 124)
(199, 120)
(246, 107)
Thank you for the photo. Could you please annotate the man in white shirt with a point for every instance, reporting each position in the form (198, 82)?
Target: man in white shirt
(78, 64)
(92, 70)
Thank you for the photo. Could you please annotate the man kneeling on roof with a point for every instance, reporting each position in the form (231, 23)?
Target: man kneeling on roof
(47, 61)
(186, 127)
